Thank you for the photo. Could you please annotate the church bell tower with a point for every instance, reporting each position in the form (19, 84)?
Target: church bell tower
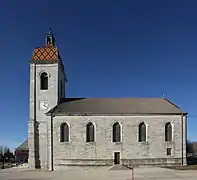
(47, 87)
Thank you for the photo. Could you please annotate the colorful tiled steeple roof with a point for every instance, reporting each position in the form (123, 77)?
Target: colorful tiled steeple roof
(47, 52)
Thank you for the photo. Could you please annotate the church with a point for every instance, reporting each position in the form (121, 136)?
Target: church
(65, 131)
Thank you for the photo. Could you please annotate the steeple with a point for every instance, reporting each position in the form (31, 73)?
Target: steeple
(47, 52)
(49, 38)
(47, 87)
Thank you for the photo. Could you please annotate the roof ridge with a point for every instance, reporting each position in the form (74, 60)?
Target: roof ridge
(23, 145)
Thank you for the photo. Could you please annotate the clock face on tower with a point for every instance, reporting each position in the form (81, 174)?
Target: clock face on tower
(44, 105)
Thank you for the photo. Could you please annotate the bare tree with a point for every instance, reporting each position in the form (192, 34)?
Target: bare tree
(2, 156)
(5, 155)
(1, 149)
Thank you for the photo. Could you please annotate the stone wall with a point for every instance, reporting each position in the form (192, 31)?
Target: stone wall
(101, 152)
(50, 96)
(153, 162)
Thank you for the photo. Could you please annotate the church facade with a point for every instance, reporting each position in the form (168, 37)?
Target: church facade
(66, 132)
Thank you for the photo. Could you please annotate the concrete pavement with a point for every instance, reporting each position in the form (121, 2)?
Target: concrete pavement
(97, 173)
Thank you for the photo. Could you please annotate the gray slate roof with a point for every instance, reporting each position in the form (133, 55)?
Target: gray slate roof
(23, 146)
(115, 106)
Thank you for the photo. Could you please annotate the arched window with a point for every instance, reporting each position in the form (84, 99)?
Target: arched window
(64, 133)
(48, 41)
(142, 132)
(116, 132)
(168, 132)
(89, 132)
(44, 81)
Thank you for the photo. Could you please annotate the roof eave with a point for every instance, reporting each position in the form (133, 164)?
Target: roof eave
(21, 149)
(112, 114)
(43, 61)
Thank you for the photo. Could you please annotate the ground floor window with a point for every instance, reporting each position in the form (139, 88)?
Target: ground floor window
(116, 157)
(169, 151)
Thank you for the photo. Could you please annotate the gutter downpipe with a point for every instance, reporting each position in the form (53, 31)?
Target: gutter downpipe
(182, 138)
(52, 116)
(35, 133)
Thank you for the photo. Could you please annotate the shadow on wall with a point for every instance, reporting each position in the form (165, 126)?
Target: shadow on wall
(37, 148)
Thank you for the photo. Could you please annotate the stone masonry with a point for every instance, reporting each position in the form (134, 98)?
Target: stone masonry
(51, 96)
(100, 152)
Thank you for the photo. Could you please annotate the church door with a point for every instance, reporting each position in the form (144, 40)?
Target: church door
(116, 157)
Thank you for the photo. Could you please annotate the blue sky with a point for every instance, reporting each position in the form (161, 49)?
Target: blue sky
(109, 48)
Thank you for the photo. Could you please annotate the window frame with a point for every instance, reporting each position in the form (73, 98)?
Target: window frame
(115, 133)
(89, 131)
(168, 138)
(62, 129)
(169, 151)
(44, 81)
(142, 136)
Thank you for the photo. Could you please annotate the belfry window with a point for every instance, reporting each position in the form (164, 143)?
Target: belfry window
(48, 40)
(44, 81)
